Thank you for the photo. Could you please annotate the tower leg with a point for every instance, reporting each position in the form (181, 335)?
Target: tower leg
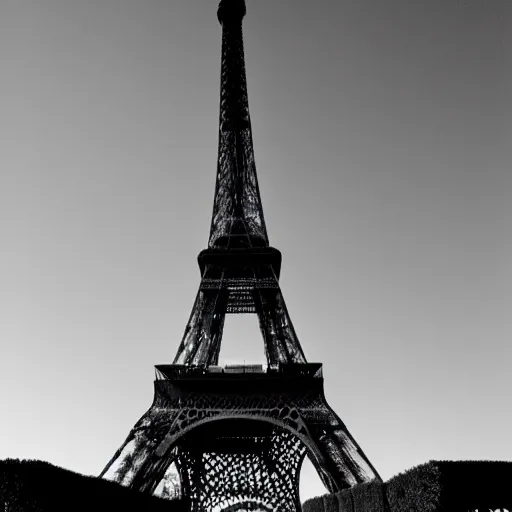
(134, 465)
(201, 342)
(342, 463)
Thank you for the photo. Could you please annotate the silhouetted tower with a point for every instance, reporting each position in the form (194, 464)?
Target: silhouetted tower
(237, 435)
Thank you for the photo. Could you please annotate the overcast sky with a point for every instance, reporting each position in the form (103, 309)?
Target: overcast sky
(383, 136)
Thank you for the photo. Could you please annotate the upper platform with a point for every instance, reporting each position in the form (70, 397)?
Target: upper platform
(181, 381)
(241, 257)
(237, 372)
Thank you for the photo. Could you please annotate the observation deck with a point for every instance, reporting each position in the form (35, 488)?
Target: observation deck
(280, 371)
(176, 379)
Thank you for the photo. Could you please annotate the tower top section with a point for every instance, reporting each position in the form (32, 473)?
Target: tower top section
(231, 11)
(239, 269)
(237, 219)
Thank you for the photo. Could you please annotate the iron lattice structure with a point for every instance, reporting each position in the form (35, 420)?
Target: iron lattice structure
(237, 435)
(258, 470)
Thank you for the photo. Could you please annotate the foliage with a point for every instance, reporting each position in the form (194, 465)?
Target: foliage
(476, 484)
(345, 501)
(444, 485)
(313, 505)
(329, 502)
(432, 487)
(36, 486)
(367, 497)
(416, 490)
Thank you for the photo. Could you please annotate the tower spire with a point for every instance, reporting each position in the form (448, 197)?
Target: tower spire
(239, 270)
(237, 219)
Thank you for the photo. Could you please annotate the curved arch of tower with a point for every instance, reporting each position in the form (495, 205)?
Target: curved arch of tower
(237, 435)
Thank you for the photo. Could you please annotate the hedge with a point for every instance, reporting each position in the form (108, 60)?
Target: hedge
(436, 486)
(345, 501)
(367, 497)
(36, 486)
(416, 490)
(452, 485)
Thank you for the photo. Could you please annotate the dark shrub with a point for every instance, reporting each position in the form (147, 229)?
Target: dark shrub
(313, 505)
(368, 497)
(330, 503)
(345, 501)
(416, 490)
(469, 485)
(35, 486)
(452, 485)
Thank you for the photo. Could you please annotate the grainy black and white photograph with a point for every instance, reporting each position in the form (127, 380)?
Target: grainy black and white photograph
(256, 255)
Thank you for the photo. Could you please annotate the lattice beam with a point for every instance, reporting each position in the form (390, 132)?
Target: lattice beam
(238, 290)
(259, 470)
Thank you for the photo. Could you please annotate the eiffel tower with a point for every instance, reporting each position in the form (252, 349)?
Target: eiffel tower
(237, 435)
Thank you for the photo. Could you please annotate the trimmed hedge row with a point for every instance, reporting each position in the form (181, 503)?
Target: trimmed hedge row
(36, 486)
(452, 485)
(431, 487)
(367, 497)
(418, 489)
(438, 486)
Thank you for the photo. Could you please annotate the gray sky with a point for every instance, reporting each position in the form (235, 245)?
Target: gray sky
(382, 135)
